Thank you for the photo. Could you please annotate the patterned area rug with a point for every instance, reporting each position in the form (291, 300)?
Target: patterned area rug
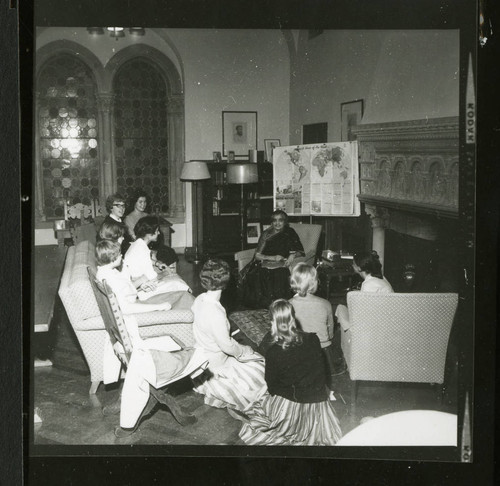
(253, 323)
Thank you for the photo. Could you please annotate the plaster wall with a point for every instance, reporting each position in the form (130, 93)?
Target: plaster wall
(400, 75)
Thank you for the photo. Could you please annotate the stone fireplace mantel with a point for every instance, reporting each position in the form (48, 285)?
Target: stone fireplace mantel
(409, 176)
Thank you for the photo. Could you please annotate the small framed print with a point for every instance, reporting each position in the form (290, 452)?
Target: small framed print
(253, 232)
(217, 156)
(351, 113)
(230, 156)
(269, 144)
(239, 132)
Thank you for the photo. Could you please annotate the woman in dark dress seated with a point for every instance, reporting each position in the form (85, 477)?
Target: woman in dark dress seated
(267, 276)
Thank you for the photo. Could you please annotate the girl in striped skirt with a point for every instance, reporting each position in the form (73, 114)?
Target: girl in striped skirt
(297, 410)
(235, 377)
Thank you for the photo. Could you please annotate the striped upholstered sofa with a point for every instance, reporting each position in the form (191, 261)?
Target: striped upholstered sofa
(83, 313)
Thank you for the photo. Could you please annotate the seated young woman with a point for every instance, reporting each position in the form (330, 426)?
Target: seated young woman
(267, 276)
(297, 410)
(140, 204)
(367, 265)
(313, 313)
(115, 206)
(236, 378)
(142, 263)
(110, 268)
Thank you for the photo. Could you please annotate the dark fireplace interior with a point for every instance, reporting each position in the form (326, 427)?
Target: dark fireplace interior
(414, 264)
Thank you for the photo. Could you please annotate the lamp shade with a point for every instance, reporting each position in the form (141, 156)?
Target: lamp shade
(242, 173)
(194, 171)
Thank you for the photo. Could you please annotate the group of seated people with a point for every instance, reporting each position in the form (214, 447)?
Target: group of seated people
(282, 398)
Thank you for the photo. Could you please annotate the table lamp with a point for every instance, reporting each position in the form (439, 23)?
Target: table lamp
(195, 171)
(242, 173)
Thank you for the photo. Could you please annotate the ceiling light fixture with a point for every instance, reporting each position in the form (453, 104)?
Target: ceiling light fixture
(116, 32)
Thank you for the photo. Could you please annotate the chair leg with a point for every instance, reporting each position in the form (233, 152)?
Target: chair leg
(178, 413)
(93, 387)
(354, 392)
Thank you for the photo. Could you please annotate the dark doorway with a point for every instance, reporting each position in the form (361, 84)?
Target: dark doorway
(315, 133)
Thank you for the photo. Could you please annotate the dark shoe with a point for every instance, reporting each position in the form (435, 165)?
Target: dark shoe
(111, 409)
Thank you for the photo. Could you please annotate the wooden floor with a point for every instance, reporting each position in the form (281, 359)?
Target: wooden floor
(70, 416)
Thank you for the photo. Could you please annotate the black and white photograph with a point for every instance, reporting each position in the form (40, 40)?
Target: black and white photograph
(239, 132)
(172, 315)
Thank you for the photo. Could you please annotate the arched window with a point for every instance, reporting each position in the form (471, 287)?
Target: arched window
(68, 135)
(140, 131)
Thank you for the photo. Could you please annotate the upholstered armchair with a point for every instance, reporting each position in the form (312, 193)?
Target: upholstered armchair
(309, 237)
(396, 337)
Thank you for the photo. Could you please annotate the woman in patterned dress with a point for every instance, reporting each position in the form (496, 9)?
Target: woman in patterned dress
(297, 410)
(235, 372)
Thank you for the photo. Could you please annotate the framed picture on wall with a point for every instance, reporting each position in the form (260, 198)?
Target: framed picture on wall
(351, 113)
(253, 232)
(239, 132)
(269, 144)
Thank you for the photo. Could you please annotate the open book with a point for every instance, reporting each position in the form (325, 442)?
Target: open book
(170, 283)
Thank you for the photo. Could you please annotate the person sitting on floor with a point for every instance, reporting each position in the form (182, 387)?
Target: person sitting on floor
(297, 410)
(141, 262)
(367, 265)
(313, 313)
(237, 372)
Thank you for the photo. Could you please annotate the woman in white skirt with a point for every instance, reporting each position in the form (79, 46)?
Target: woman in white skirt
(297, 410)
(235, 372)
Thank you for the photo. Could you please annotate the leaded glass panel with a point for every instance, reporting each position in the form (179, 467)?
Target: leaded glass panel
(140, 132)
(68, 135)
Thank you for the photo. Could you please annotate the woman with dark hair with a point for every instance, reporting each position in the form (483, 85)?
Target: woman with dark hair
(297, 410)
(367, 265)
(162, 252)
(236, 372)
(141, 262)
(267, 276)
(139, 204)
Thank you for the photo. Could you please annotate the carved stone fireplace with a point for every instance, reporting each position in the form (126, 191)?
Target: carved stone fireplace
(409, 188)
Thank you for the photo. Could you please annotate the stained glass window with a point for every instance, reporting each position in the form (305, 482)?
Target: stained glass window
(68, 135)
(140, 125)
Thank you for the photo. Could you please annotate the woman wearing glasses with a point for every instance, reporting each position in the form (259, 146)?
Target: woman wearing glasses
(267, 276)
(115, 206)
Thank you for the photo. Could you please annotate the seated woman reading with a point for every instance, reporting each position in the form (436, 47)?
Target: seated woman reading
(267, 276)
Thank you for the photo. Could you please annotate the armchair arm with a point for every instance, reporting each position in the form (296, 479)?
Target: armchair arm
(243, 257)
